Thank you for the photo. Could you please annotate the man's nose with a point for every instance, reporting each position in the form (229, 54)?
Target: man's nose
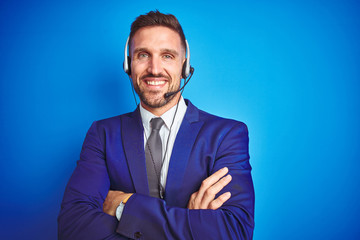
(155, 66)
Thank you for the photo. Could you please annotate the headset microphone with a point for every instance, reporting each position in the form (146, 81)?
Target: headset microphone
(169, 94)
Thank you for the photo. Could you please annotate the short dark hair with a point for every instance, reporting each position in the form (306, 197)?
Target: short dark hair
(156, 18)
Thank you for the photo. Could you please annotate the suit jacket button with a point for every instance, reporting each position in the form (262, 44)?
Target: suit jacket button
(138, 235)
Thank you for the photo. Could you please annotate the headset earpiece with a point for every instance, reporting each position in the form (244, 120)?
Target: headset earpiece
(129, 65)
(127, 59)
(184, 72)
(186, 65)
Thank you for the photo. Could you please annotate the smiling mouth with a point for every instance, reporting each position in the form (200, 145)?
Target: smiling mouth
(155, 83)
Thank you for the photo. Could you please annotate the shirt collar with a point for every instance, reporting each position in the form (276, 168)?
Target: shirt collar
(168, 116)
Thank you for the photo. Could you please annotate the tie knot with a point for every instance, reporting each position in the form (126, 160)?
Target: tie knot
(156, 123)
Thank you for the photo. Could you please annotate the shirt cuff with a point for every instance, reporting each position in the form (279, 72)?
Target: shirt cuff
(119, 211)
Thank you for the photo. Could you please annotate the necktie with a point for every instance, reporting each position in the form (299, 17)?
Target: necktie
(153, 155)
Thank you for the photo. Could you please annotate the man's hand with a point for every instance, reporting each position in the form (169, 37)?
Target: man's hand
(205, 197)
(112, 201)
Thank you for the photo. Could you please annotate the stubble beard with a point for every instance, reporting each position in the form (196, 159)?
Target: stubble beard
(153, 99)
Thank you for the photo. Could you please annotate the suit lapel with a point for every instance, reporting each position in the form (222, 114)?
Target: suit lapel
(133, 140)
(180, 155)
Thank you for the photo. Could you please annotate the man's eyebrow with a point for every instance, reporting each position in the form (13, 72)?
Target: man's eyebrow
(136, 50)
(166, 50)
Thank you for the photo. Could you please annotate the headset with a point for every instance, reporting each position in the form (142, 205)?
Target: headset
(186, 70)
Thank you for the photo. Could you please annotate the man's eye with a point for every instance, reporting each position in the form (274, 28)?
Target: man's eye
(167, 56)
(143, 55)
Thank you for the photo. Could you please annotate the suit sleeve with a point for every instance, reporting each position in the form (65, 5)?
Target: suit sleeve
(151, 218)
(81, 215)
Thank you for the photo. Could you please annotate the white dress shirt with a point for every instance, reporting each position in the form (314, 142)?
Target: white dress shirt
(171, 121)
(167, 145)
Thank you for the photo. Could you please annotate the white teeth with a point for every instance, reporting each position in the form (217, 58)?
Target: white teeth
(155, 83)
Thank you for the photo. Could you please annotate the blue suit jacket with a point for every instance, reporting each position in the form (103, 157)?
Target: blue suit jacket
(113, 157)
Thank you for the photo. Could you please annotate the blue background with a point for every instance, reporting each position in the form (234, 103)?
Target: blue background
(288, 69)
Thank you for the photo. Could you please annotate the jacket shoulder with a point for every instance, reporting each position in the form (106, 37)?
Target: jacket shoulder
(194, 114)
(214, 120)
(111, 125)
(112, 121)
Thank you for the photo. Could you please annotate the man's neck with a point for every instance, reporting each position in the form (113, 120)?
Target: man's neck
(161, 110)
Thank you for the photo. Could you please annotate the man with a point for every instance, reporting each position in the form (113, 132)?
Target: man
(187, 178)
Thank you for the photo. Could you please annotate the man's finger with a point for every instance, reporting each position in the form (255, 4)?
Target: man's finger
(191, 203)
(215, 204)
(211, 192)
(209, 181)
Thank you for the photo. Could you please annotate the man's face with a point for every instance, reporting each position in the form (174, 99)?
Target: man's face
(157, 57)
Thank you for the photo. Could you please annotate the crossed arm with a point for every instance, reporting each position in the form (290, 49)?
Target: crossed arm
(202, 199)
(84, 215)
